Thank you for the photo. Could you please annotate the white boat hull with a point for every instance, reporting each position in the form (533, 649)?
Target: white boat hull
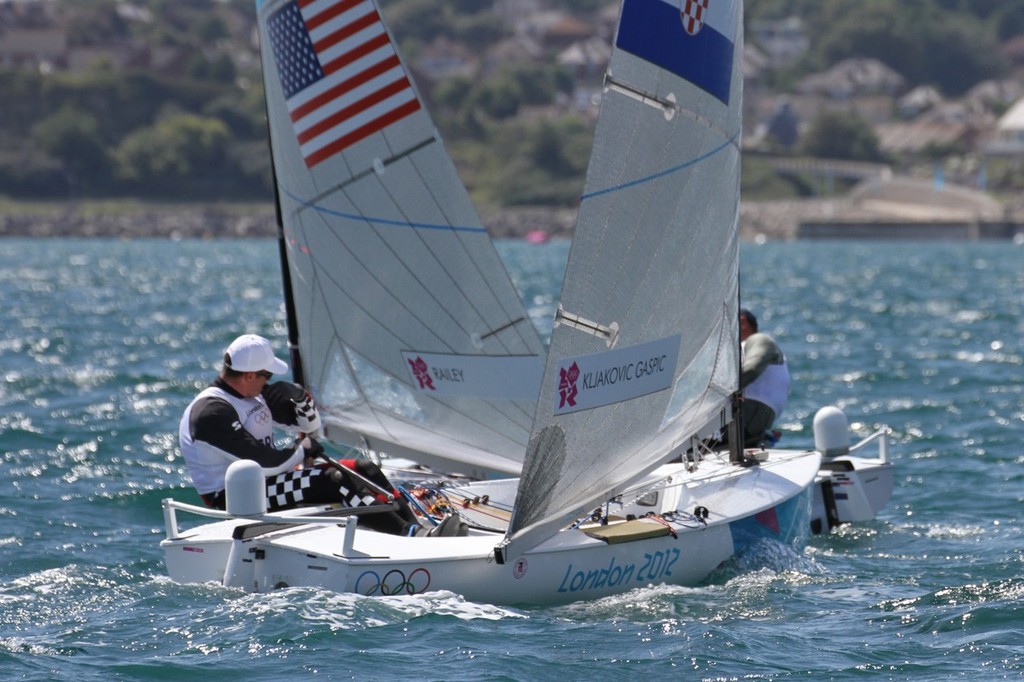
(853, 488)
(709, 516)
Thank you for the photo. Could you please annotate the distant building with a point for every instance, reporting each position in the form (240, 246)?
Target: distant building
(36, 49)
(443, 59)
(916, 138)
(564, 31)
(519, 49)
(997, 94)
(783, 40)
(851, 78)
(1008, 139)
(918, 101)
(586, 59)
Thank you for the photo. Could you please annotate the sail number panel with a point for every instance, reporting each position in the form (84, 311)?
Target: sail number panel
(599, 379)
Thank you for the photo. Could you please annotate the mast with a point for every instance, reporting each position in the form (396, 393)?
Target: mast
(734, 429)
(298, 376)
(286, 282)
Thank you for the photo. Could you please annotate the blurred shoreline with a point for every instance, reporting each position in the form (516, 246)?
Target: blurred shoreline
(759, 221)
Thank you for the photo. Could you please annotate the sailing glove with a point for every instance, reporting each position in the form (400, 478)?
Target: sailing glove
(307, 417)
(312, 448)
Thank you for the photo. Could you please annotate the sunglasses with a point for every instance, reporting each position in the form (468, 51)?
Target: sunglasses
(265, 374)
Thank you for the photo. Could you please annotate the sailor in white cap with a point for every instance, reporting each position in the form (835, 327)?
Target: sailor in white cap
(234, 418)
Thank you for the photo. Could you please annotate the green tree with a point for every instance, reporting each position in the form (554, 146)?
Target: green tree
(72, 137)
(962, 54)
(1009, 20)
(552, 170)
(95, 23)
(549, 148)
(180, 153)
(579, 6)
(481, 30)
(418, 20)
(210, 28)
(840, 135)
(245, 113)
(499, 97)
(469, 6)
(452, 92)
(540, 83)
(925, 45)
(25, 172)
(219, 69)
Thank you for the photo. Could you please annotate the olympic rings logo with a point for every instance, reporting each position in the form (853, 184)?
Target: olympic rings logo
(369, 583)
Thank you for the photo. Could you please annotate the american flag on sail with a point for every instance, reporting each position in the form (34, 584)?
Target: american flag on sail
(341, 76)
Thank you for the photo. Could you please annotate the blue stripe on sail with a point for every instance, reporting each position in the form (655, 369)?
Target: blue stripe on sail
(668, 171)
(384, 221)
(653, 31)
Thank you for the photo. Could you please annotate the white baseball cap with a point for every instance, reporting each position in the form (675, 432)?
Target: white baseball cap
(252, 353)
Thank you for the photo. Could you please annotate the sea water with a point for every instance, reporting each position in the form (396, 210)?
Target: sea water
(104, 342)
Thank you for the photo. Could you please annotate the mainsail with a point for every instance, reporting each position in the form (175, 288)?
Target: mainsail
(412, 337)
(644, 349)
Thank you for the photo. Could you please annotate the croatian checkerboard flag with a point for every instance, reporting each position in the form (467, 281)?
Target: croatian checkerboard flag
(341, 76)
(693, 39)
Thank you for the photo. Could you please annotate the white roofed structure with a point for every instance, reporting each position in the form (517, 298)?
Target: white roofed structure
(1009, 136)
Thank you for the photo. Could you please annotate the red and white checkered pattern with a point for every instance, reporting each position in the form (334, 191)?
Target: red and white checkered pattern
(693, 14)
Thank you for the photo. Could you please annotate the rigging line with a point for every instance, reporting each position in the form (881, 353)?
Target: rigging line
(321, 273)
(384, 417)
(668, 171)
(346, 360)
(424, 285)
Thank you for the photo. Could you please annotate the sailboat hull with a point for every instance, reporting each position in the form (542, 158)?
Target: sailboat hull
(853, 485)
(703, 518)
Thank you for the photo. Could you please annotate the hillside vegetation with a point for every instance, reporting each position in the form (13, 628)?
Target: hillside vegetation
(198, 132)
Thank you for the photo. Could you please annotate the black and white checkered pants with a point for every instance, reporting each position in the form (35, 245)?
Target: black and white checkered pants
(320, 485)
(314, 486)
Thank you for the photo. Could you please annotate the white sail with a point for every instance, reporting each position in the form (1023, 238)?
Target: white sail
(644, 351)
(410, 333)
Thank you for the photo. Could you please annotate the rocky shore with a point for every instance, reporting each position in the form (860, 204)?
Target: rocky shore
(760, 221)
(216, 222)
(178, 222)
